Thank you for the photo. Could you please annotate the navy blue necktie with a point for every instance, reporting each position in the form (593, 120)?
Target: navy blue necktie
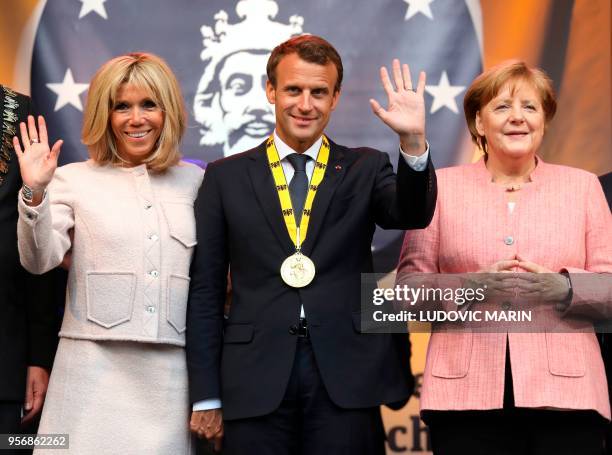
(298, 188)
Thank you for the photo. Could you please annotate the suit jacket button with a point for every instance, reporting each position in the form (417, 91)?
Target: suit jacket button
(293, 329)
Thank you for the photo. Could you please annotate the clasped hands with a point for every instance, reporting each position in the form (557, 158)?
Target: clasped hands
(507, 277)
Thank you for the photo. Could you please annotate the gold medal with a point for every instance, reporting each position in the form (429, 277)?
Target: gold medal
(297, 270)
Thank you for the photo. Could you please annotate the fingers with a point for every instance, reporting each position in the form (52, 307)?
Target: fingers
(529, 277)
(207, 424)
(25, 138)
(504, 265)
(397, 76)
(529, 266)
(17, 147)
(28, 417)
(42, 130)
(55, 151)
(502, 280)
(32, 129)
(421, 83)
(406, 76)
(528, 286)
(28, 402)
(29, 396)
(376, 108)
(386, 82)
(219, 442)
(401, 76)
(196, 421)
(39, 399)
(213, 425)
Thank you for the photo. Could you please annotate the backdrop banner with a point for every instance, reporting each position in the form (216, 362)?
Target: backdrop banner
(219, 49)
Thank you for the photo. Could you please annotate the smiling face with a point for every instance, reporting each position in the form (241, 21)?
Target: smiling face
(303, 100)
(513, 122)
(136, 121)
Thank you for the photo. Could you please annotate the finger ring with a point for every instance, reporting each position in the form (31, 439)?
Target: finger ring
(34, 141)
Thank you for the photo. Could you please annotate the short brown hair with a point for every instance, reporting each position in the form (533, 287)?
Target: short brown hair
(153, 75)
(310, 48)
(487, 86)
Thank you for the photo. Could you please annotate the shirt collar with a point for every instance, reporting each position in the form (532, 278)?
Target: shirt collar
(284, 150)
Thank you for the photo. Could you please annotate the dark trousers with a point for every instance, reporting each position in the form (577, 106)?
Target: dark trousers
(605, 341)
(10, 423)
(515, 431)
(10, 417)
(307, 422)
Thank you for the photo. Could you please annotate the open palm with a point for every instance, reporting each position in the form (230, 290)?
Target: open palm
(37, 162)
(405, 112)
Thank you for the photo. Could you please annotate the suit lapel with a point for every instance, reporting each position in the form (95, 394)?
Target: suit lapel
(334, 173)
(267, 197)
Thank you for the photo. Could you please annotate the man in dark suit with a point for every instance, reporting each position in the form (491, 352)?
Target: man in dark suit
(606, 183)
(28, 321)
(605, 339)
(293, 219)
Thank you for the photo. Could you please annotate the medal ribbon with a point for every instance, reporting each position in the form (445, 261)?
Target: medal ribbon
(283, 189)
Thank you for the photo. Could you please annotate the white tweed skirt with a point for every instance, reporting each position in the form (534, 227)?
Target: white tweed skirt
(118, 397)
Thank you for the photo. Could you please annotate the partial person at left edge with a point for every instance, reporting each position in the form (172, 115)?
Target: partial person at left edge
(28, 316)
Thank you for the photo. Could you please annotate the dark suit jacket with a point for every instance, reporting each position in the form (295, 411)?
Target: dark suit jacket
(247, 362)
(606, 183)
(28, 328)
(605, 339)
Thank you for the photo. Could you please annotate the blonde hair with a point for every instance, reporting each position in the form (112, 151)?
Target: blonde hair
(150, 73)
(487, 86)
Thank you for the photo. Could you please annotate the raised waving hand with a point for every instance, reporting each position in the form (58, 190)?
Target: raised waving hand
(37, 162)
(405, 112)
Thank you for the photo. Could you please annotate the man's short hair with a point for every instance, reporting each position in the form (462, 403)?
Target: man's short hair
(310, 48)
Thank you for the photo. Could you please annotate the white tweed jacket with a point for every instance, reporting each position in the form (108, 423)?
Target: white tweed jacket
(134, 233)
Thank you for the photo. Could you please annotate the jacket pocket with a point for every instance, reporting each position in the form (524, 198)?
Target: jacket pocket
(565, 352)
(181, 221)
(110, 297)
(238, 333)
(451, 354)
(176, 303)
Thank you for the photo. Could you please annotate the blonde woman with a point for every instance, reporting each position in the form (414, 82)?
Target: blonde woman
(119, 382)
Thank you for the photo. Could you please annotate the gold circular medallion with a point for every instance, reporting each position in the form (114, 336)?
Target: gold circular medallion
(297, 270)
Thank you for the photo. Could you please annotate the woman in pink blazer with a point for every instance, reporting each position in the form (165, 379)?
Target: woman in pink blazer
(515, 393)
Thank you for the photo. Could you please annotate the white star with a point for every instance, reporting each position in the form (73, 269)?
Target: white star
(93, 5)
(444, 94)
(68, 92)
(418, 6)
